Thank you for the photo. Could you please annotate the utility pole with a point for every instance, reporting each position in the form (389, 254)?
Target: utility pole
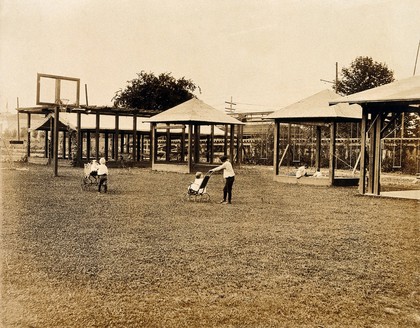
(230, 109)
(417, 56)
(336, 77)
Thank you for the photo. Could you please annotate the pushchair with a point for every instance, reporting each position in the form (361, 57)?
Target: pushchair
(88, 179)
(199, 195)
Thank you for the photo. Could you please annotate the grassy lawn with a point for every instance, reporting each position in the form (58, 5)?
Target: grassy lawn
(142, 256)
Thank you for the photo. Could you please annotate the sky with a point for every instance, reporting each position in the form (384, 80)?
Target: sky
(262, 54)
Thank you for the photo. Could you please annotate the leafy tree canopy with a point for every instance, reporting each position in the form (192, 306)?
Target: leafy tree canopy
(151, 92)
(363, 74)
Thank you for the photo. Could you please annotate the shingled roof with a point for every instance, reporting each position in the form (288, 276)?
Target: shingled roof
(316, 108)
(403, 91)
(193, 111)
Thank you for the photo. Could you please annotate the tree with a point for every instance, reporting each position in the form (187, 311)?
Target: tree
(363, 74)
(151, 92)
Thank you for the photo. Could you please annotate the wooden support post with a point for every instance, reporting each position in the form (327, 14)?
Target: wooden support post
(182, 150)
(134, 151)
(106, 146)
(113, 146)
(196, 144)
(122, 142)
(372, 137)
(153, 143)
(289, 140)
(70, 145)
(208, 149)
(138, 146)
(226, 140)
(98, 119)
(79, 139)
(142, 136)
(232, 143)
(28, 140)
(56, 139)
(212, 144)
(115, 139)
(333, 132)
(190, 148)
(81, 146)
(276, 157)
(377, 159)
(64, 144)
(51, 144)
(168, 143)
(46, 145)
(318, 149)
(240, 144)
(88, 145)
(363, 127)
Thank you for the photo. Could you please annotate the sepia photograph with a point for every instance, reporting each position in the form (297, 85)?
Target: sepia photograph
(196, 163)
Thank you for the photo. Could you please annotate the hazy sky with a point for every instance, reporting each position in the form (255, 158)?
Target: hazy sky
(264, 54)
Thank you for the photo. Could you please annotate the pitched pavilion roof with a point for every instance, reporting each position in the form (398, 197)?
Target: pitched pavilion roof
(406, 90)
(316, 108)
(193, 111)
(88, 122)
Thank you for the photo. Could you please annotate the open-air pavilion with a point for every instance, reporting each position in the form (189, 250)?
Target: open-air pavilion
(108, 148)
(380, 108)
(190, 116)
(68, 126)
(117, 124)
(314, 111)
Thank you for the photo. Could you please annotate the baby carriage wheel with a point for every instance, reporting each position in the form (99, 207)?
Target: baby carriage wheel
(85, 183)
(205, 197)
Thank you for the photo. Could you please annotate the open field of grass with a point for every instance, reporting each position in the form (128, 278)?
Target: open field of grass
(141, 256)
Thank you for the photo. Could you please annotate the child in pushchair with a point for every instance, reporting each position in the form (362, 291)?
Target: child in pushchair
(198, 189)
(90, 174)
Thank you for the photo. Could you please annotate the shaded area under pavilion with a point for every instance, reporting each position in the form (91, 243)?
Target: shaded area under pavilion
(108, 148)
(190, 117)
(117, 123)
(315, 111)
(380, 108)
